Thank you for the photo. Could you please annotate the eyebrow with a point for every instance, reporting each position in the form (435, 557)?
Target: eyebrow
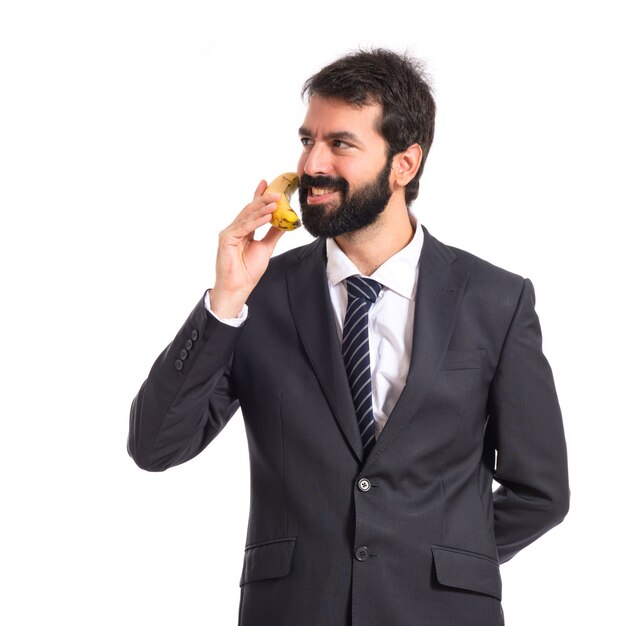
(340, 134)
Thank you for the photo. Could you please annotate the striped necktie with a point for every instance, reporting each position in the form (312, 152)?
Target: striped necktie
(362, 293)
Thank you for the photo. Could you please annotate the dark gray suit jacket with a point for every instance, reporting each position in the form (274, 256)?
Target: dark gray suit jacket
(412, 535)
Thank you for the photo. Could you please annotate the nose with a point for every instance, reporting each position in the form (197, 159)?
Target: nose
(317, 160)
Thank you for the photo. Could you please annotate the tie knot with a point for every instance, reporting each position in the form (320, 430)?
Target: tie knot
(365, 288)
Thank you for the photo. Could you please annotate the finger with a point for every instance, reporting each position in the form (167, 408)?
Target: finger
(258, 223)
(260, 202)
(261, 187)
(271, 237)
(247, 223)
(260, 205)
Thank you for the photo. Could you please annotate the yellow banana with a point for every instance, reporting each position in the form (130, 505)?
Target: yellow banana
(284, 217)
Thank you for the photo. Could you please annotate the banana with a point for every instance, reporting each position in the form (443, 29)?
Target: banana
(284, 217)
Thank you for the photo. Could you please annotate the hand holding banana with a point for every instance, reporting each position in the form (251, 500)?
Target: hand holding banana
(242, 260)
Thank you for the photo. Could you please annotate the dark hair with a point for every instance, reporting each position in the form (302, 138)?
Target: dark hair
(398, 83)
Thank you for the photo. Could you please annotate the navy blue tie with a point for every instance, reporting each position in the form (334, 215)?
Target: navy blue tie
(362, 293)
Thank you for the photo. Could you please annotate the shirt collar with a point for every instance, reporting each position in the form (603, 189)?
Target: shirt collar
(397, 273)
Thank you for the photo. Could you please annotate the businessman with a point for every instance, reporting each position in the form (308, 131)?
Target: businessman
(385, 380)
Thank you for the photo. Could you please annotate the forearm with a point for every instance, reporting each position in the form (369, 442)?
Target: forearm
(527, 431)
(188, 396)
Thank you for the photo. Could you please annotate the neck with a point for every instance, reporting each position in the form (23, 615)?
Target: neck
(369, 247)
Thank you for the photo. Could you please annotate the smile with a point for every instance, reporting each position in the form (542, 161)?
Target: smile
(319, 191)
(317, 195)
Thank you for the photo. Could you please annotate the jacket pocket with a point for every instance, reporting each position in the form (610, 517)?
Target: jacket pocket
(268, 559)
(467, 570)
(463, 360)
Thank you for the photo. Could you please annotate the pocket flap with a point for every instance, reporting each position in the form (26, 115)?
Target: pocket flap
(467, 570)
(269, 559)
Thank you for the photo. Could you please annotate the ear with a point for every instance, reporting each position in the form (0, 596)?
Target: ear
(405, 164)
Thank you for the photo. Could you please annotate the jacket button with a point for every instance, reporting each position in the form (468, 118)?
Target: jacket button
(183, 354)
(362, 554)
(188, 344)
(178, 364)
(194, 334)
(364, 484)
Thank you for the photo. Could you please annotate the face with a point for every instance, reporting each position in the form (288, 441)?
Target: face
(344, 168)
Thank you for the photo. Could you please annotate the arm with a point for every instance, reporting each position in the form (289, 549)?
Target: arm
(184, 404)
(526, 429)
(186, 400)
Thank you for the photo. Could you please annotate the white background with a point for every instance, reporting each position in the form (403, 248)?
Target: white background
(132, 132)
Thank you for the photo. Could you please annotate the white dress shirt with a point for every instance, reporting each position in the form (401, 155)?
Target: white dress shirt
(390, 320)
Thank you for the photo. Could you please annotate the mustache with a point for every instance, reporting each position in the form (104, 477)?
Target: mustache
(324, 182)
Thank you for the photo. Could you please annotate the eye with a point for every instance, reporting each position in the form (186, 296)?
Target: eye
(306, 141)
(338, 143)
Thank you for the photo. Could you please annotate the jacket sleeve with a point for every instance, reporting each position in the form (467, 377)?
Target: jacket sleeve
(188, 396)
(526, 428)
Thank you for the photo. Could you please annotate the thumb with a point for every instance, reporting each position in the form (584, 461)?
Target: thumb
(271, 238)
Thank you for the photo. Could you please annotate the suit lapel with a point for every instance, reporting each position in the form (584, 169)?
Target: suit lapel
(314, 319)
(440, 289)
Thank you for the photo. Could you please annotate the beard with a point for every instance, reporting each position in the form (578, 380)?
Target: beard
(356, 209)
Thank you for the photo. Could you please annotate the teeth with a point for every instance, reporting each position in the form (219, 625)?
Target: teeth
(317, 191)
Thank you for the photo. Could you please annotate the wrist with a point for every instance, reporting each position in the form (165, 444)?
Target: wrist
(226, 305)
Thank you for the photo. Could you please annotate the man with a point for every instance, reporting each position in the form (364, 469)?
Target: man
(378, 371)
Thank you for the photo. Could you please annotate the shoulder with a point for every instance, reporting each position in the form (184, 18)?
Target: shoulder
(492, 282)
